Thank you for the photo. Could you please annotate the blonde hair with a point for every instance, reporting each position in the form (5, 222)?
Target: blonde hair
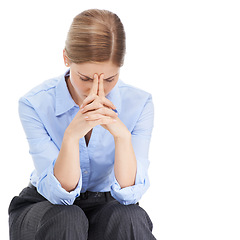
(96, 36)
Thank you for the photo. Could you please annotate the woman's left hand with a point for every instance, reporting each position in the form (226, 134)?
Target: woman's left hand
(118, 128)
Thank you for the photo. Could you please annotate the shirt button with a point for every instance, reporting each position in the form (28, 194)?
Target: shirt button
(85, 172)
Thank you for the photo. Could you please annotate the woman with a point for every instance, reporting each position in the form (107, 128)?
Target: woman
(89, 135)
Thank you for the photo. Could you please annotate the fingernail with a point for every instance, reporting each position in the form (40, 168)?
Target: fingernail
(81, 106)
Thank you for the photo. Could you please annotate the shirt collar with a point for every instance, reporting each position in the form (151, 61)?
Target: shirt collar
(115, 97)
(64, 101)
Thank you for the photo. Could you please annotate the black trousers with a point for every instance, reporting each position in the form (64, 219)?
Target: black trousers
(93, 216)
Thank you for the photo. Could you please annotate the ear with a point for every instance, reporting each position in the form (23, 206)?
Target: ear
(65, 58)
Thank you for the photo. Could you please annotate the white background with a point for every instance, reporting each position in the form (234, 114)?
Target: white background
(187, 54)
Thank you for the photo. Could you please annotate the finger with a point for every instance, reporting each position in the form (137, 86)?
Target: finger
(94, 89)
(89, 99)
(93, 117)
(92, 106)
(108, 112)
(103, 120)
(101, 92)
(96, 117)
(102, 111)
(106, 102)
(106, 120)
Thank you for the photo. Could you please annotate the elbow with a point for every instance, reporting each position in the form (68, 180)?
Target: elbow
(123, 183)
(69, 184)
(67, 181)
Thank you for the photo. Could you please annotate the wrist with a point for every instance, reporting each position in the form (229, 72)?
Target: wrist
(124, 136)
(70, 136)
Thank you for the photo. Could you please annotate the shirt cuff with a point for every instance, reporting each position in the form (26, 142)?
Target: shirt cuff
(131, 194)
(50, 188)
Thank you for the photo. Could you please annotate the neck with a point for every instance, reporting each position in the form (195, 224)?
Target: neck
(73, 93)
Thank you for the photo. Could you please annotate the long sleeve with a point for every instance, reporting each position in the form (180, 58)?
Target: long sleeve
(141, 137)
(44, 153)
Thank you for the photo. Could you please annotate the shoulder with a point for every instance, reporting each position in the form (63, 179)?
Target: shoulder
(44, 88)
(127, 88)
(136, 105)
(44, 92)
(131, 94)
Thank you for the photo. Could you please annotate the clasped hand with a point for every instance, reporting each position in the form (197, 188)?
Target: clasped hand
(99, 110)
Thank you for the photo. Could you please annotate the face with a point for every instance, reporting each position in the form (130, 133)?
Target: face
(81, 78)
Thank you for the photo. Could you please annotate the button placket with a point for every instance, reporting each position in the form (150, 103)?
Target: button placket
(84, 163)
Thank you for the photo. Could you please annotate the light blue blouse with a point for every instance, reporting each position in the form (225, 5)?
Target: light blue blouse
(47, 110)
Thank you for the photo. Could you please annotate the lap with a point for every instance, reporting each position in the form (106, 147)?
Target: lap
(117, 221)
(30, 212)
(116, 211)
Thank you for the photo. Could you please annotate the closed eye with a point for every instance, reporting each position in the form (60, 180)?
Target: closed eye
(109, 80)
(88, 79)
(85, 79)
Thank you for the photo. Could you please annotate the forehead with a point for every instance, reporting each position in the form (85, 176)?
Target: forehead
(89, 69)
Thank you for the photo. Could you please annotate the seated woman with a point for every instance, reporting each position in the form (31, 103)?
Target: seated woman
(89, 135)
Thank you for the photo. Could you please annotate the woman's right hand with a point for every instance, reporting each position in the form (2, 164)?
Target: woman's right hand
(100, 111)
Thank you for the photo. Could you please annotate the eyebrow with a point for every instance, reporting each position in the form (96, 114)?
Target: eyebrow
(92, 79)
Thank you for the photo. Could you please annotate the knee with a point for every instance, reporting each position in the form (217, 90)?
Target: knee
(118, 221)
(67, 215)
(130, 214)
(64, 219)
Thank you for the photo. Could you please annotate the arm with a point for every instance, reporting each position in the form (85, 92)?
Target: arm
(140, 142)
(125, 165)
(44, 153)
(67, 166)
